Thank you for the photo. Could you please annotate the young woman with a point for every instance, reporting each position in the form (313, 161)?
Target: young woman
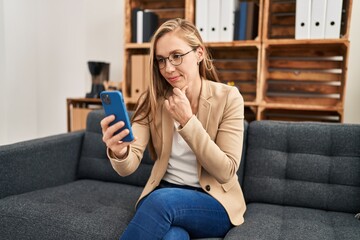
(193, 126)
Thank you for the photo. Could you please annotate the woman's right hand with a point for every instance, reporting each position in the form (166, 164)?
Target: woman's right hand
(113, 142)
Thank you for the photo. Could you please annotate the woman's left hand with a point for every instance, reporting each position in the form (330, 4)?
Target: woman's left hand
(179, 106)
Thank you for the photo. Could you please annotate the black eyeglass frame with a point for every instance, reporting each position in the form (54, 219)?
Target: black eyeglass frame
(170, 61)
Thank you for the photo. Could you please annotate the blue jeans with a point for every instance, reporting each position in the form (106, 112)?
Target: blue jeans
(178, 213)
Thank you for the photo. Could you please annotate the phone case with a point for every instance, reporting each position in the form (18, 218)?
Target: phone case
(113, 103)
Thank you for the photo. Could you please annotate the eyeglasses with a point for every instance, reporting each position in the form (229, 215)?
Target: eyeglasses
(175, 59)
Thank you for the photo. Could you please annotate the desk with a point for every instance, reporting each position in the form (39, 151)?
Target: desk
(77, 110)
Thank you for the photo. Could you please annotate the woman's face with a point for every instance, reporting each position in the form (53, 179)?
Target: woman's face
(185, 74)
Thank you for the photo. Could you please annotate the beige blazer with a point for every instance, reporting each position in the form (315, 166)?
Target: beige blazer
(216, 138)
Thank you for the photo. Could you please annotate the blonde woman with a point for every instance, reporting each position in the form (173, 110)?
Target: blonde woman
(194, 128)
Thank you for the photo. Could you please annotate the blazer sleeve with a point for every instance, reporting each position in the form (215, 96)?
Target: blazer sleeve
(220, 156)
(131, 162)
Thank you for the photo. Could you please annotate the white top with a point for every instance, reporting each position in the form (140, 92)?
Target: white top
(182, 168)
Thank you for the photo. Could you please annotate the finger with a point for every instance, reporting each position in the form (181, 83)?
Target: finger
(117, 126)
(127, 143)
(171, 101)
(106, 121)
(110, 131)
(115, 143)
(177, 92)
(167, 105)
(117, 138)
(184, 89)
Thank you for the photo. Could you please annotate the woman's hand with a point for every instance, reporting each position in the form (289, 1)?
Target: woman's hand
(179, 106)
(113, 142)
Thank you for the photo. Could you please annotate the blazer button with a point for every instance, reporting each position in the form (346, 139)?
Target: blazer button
(207, 187)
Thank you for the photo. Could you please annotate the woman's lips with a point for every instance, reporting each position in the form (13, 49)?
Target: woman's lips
(173, 79)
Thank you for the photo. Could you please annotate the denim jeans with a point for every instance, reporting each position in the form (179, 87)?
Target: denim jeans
(178, 213)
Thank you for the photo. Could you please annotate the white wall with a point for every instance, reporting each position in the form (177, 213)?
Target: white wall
(352, 93)
(104, 34)
(46, 45)
(20, 74)
(3, 117)
(60, 58)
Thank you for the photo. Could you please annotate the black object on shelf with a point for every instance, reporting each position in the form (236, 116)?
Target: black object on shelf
(99, 74)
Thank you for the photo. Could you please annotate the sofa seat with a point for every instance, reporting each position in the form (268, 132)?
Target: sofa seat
(267, 222)
(84, 209)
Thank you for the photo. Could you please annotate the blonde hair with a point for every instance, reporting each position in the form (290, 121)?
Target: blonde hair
(158, 88)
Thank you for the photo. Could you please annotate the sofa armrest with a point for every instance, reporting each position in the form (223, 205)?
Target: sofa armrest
(39, 163)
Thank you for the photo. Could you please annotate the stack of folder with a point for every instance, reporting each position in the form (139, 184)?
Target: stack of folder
(318, 19)
(143, 25)
(226, 20)
(246, 21)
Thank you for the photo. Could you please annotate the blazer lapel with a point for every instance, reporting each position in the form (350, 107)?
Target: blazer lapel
(204, 105)
(167, 131)
(167, 128)
(204, 110)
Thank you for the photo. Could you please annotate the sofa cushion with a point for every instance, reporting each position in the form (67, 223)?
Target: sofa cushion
(304, 164)
(274, 222)
(94, 163)
(85, 209)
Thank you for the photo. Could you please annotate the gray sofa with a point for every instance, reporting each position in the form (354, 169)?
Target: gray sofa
(300, 181)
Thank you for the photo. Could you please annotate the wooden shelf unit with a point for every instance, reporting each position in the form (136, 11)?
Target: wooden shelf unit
(309, 74)
(301, 80)
(279, 77)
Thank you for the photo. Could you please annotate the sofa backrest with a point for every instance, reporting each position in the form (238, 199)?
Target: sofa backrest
(314, 165)
(94, 163)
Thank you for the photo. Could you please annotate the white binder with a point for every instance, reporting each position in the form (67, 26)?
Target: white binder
(227, 19)
(333, 18)
(201, 18)
(139, 26)
(214, 20)
(318, 14)
(302, 19)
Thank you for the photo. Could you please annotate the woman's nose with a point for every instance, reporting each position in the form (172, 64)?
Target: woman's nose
(168, 66)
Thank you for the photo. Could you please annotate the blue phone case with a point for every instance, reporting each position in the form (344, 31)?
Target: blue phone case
(113, 103)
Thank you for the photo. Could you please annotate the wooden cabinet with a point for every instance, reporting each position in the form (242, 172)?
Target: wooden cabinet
(279, 77)
(77, 110)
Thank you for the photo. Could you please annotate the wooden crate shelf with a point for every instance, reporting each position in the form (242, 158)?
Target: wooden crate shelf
(164, 10)
(306, 74)
(280, 15)
(239, 66)
(250, 113)
(281, 114)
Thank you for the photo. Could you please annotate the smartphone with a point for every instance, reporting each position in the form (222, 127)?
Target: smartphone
(113, 103)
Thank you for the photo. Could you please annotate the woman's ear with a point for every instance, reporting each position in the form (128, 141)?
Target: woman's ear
(200, 54)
